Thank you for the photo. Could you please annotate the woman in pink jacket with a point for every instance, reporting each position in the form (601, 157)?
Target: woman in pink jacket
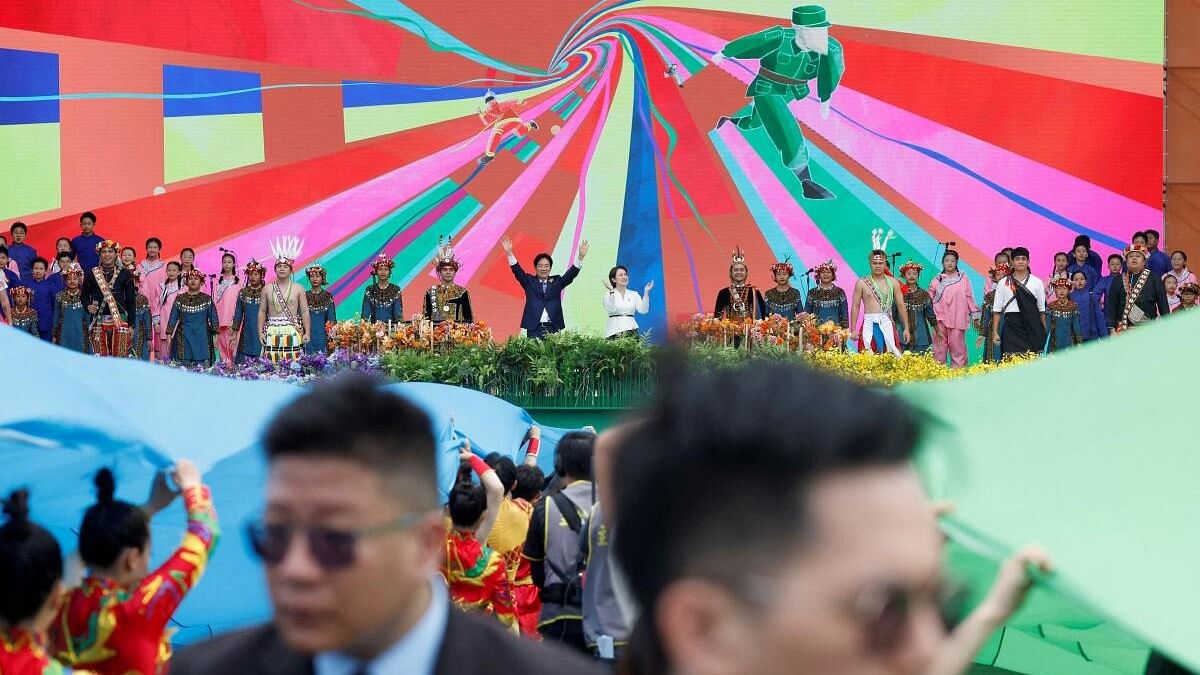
(955, 308)
(225, 298)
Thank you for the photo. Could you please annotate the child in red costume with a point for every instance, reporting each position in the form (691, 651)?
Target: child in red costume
(115, 622)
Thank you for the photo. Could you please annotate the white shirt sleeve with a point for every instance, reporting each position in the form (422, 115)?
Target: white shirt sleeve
(512, 260)
(610, 302)
(643, 303)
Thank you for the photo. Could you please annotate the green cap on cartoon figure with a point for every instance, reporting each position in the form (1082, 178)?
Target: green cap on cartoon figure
(810, 16)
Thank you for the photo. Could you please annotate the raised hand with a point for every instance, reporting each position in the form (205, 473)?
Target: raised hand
(649, 286)
(185, 474)
(506, 244)
(583, 249)
(464, 452)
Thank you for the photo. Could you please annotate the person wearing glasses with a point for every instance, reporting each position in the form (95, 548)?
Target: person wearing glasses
(351, 538)
(751, 549)
(129, 603)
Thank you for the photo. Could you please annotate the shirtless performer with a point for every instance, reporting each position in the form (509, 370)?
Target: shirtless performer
(283, 309)
(878, 294)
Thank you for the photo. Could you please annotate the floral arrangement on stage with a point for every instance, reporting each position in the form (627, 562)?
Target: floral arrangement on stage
(303, 370)
(801, 334)
(422, 335)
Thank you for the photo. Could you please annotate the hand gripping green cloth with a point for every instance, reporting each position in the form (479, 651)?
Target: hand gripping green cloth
(1091, 453)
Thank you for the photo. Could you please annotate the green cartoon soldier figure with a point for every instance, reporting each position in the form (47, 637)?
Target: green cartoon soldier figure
(788, 59)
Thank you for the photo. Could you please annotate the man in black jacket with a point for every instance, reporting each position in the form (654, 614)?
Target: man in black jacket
(110, 294)
(351, 538)
(1149, 295)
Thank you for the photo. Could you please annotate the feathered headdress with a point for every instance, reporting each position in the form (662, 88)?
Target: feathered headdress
(445, 255)
(286, 249)
(879, 242)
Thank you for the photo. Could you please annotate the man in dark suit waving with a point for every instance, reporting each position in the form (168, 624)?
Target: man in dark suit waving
(543, 293)
(352, 537)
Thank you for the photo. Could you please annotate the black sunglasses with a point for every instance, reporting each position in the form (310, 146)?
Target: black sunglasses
(331, 548)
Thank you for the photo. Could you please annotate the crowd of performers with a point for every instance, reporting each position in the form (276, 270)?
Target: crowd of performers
(1020, 313)
(96, 297)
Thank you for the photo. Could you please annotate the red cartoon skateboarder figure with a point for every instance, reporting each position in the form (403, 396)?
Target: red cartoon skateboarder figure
(503, 118)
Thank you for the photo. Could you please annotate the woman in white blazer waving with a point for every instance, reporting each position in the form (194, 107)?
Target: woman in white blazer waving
(621, 303)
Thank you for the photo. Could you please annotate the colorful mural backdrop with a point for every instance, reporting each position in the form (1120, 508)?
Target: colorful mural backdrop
(362, 126)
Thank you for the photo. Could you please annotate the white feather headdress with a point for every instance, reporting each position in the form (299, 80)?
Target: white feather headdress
(287, 249)
(879, 241)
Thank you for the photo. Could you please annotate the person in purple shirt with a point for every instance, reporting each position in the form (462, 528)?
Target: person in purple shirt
(1093, 258)
(19, 251)
(1092, 322)
(45, 287)
(85, 244)
(1159, 262)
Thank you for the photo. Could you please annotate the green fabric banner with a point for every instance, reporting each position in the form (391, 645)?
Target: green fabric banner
(1089, 453)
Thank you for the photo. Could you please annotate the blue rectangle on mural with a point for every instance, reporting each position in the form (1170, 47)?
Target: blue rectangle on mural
(33, 75)
(210, 91)
(356, 94)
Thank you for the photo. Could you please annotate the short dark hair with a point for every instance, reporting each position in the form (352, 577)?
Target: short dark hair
(1180, 253)
(702, 493)
(110, 525)
(612, 274)
(1078, 271)
(573, 455)
(1116, 256)
(37, 260)
(538, 258)
(87, 214)
(467, 504)
(529, 482)
(505, 468)
(1137, 234)
(66, 239)
(154, 240)
(1019, 251)
(1152, 232)
(70, 255)
(353, 417)
(186, 249)
(176, 264)
(129, 248)
(950, 252)
(4, 249)
(19, 225)
(1063, 254)
(30, 562)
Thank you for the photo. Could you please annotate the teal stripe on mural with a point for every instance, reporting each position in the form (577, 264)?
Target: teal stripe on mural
(527, 152)
(566, 113)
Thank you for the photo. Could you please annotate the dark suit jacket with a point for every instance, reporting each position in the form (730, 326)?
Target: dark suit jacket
(537, 299)
(474, 645)
(1152, 301)
(124, 291)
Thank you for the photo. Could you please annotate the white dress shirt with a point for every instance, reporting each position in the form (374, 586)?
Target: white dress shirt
(512, 260)
(414, 654)
(621, 308)
(1004, 293)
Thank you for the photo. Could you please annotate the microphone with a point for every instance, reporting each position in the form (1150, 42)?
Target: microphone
(222, 249)
(944, 243)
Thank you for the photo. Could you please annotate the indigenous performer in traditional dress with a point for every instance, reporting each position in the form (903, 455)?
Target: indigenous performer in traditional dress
(111, 297)
(160, 308)
(827, 302)
(991, 348)
(507, 537)
(1062, 318)
(1189, 294)
(1019, 309)
(70, 316)
(382, 300)
(922, 320)
(1061, 263)
(321, 310)
(1092, 323)
(788, 59)
(153, 271)
(502, 118)
(245, 325)
(739, 300)
(225, 297)
(30, 587)
(877, 294)
(193, 323)
(622, 304)
(954, 304)
(1139, 297)
(1002, 258)
(116, 622)
(446, 300)
(24, 317)
(283, 309)
(476, 574)
(783, 299)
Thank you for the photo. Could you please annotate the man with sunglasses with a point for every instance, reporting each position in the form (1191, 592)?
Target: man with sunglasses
(797, 540)
(351, 539)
